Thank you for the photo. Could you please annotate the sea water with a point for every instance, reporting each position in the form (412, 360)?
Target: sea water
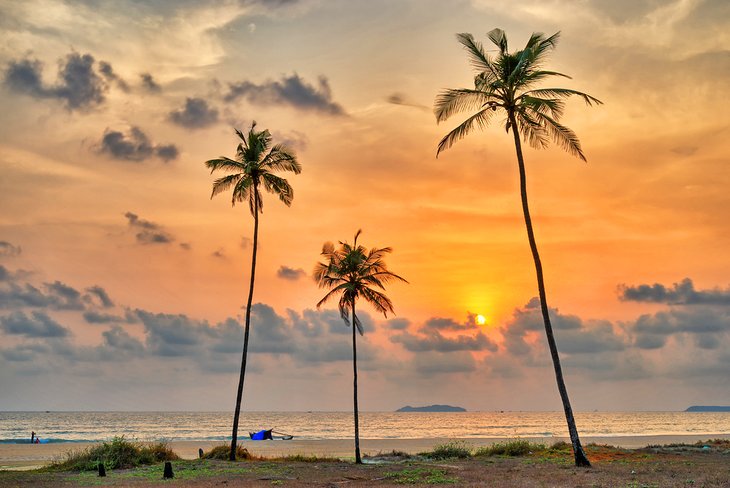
(216, 426)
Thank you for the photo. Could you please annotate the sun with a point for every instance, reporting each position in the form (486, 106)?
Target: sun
(481, 319)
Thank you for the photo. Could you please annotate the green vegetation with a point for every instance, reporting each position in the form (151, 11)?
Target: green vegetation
(431, 476)
(505, 83)
(223, 452)
(450, 450)
(253, 169)
(308, 458)
(116, 454)
(514, 447)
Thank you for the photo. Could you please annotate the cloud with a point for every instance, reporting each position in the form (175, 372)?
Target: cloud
(148, 232)
(94, 317)
(167, 152)
(682, 293)
(134, 146)
(572, 334)
(397, 324)
(171, 335)
(38, 324)
(706, 326)
(97, 294)
(108, 72)
(78, 85)
(196, 114)
(220, 254)
(401, 99)
(432, 363)
(290, 90)
(432, 340)
(118, 339)
(56, 295)
(149, 83)
(290, 274)
(7, 249)
(430, 337)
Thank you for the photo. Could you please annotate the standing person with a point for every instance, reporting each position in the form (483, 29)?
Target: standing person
(32, 436)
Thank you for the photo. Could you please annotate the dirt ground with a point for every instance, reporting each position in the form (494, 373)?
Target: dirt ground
(679, 466)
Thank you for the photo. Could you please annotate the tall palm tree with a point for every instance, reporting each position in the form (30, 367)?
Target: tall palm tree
(505, 84)
(351, 271)
(253, 169)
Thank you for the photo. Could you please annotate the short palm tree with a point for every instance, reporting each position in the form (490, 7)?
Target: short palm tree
(253, 169)
(351, 271)
(505, 84)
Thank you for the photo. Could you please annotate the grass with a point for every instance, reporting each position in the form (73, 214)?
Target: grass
(118, 453)
(512, 448)
(222, 451)
(415, 476)
(304, 458)
(450, 450)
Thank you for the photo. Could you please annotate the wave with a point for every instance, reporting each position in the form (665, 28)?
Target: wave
(45, 441)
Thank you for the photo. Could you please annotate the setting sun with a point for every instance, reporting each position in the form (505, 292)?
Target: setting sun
(481, 319)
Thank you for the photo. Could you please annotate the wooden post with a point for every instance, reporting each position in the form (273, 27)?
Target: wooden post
(168, 474)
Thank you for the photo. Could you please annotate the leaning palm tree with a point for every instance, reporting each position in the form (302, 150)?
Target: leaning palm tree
(351, 271)
(253, 169)
(505, 84)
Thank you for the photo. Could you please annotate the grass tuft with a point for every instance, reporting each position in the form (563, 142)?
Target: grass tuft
(513, 448)
(118, 453)
(450, 450)
(307, 458)
(222, 451)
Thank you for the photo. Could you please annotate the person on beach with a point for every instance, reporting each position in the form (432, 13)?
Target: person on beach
(32, 436)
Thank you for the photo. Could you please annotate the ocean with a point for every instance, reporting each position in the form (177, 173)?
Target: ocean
(16, 427)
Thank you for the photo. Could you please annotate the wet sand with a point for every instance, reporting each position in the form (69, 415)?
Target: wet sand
(29, 456)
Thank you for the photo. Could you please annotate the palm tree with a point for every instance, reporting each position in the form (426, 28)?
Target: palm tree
(352, 271)
(506, 82)
(253, 169)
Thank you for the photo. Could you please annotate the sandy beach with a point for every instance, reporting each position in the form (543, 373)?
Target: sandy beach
(29, 456)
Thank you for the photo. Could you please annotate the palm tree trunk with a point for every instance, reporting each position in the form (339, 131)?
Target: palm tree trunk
(239, 396)
(580, 457)
(358, 459)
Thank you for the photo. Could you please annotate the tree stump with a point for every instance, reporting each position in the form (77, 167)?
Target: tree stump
(168, 474)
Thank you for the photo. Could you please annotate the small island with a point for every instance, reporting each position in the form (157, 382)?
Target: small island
(707, 408)
(431, 408)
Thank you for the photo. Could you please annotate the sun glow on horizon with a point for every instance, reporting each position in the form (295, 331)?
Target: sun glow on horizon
(480, 319)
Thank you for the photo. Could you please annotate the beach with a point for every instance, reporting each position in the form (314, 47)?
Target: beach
(30, 456)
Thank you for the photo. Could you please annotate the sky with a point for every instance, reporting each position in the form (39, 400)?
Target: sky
(122, 282)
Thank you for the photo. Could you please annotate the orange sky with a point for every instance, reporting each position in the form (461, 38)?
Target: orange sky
(650, 206)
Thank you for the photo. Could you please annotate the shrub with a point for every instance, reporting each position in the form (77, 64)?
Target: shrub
(453, 449)
(223, 451)
(514, 447)
(118, 453)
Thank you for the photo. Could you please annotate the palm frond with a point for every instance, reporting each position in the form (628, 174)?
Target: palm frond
(499, 38)
(280, 158)
(481, 119)
(563, 136)
(552, 106)
(224, 164)
(331, 294)
(222, 184)
(453, 101)
(378, 300)
(479, 59)
(533, 132)
(279, 187)
(563, 93)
